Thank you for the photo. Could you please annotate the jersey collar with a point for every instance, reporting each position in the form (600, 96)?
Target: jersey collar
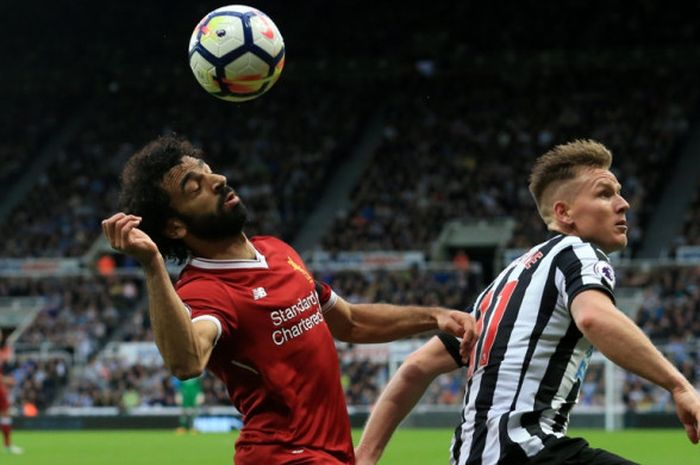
(208, 264)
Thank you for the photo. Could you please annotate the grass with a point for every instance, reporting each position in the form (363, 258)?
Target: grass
(409, 447)
(647, 447)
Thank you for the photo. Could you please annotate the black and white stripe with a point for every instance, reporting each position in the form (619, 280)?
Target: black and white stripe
(519, 397)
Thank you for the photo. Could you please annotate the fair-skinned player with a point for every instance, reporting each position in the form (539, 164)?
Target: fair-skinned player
(539, 321)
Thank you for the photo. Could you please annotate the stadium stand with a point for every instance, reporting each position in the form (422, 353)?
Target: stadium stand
(461, 147)
(458, 132)
(278, 168)
(691, 229)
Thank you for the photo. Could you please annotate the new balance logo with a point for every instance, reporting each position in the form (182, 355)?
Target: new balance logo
(259, 293)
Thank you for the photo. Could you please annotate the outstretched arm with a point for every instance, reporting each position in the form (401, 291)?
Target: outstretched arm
(618, 338)
(400, 395)
(366, 323)
(184, 346)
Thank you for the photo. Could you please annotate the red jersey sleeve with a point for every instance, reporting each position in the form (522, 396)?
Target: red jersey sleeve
(326, 296)
(208, 300)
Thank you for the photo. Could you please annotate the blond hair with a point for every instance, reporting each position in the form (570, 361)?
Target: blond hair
(564, 163)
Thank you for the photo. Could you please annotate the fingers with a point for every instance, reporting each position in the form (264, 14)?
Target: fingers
(465, 348)
(117, 228)
(108, 226)
(454, 327)
(692, 432)
(470, 337)
(126, 229)
(471, 333)
(450, 322)
(467, 344)
(120, 240)
(464, 326)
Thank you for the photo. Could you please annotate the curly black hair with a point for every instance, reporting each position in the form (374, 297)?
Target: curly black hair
(142, 194)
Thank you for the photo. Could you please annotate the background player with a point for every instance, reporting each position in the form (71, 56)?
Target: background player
(6, 384)
(540, 319)
(189, 397)
(248, 309)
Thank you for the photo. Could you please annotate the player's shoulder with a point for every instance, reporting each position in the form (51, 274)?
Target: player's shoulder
(580, 247)
(271, 246)
(192, 276)
(203, 287)
(263, 242)
(579, 256)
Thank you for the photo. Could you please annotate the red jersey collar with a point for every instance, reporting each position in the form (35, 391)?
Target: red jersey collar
(209, 264)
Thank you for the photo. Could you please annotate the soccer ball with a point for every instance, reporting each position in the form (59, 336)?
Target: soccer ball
(236, 53)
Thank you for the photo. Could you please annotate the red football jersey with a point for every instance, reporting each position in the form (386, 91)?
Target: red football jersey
(275, 354)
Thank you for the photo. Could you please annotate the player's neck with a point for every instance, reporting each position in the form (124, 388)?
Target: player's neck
(560, 229)
(234, 248)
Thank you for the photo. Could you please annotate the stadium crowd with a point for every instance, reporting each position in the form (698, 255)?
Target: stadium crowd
(278, 164)
(116, 382)
(106, 380)
(77, 315)
(454, 145)
(453, 153)
(691, 229)
(668, 314)
(450, 151)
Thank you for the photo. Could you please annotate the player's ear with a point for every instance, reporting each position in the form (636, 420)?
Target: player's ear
(562, 213)
(175, 228)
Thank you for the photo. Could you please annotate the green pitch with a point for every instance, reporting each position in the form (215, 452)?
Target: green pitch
(409, 447)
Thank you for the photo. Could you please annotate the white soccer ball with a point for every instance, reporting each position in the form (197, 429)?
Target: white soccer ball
(236, 53)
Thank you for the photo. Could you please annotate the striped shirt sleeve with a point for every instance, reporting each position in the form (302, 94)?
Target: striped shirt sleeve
(582, 267)
(451, 344)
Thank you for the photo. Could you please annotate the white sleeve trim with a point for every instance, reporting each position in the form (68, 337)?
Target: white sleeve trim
(214, 320)
(330, 302)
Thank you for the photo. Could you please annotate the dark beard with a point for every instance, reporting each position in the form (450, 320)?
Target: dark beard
(220, 225)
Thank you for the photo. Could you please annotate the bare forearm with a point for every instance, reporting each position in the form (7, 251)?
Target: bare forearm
(400, 396)
(624, 343)
(384, 322)
(172, 327)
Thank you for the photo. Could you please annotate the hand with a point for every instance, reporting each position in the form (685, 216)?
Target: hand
(462, 325)
(123, 235)
(688, 410)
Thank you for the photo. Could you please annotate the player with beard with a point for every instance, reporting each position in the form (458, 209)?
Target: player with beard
(248, 309)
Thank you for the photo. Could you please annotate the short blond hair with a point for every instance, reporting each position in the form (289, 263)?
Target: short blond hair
(563, 163)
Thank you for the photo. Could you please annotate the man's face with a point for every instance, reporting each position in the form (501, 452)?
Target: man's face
(202, 200)
(597, 209)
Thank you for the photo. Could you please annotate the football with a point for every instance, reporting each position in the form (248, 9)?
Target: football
(236, 53)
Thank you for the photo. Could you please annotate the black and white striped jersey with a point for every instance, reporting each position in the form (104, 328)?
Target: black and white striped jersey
(528, 365)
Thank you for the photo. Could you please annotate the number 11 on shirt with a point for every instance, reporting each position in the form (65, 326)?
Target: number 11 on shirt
(489, 336)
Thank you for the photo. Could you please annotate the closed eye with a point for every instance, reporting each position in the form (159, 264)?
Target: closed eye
(193, 187)
(191, 183)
